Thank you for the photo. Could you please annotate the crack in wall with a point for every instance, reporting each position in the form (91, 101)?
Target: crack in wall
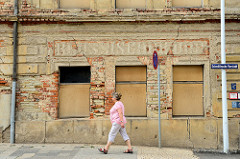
(75, 41)
(189, 132)
(45, 125)
(1, 60)
(1, 72)
(174, 41)
(178, 32)
(217, 136)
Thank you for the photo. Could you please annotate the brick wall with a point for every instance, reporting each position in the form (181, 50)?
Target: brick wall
(48, 10)
(42, 51)
(37, 97)
(97, 89)
(6, 7)
(4, 82)
(50, 37)
(5, 75)
(50, 7)
(110, 82)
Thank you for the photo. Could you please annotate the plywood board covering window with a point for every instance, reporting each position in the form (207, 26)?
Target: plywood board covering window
(74, 100)
(187, 90)
(74, 92)
(187, 99)
(134, 98)
(127, 4)
(187, 3)
(74, 4)
(132, 73)
(187, 73)
(131, 82)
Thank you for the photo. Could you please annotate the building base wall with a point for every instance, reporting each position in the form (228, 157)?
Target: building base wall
(1, 130)
(182, 133)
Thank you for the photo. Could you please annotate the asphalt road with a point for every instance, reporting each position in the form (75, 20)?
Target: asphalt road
(217, 156)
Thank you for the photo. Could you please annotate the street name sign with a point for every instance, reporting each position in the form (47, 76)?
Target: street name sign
(224, 66)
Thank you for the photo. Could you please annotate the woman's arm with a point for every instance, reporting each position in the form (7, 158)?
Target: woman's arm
(121, 116)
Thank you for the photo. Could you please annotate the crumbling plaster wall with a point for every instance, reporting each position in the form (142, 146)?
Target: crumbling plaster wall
(151, 4)
(5, 78)
(107, 8)
(45, 47)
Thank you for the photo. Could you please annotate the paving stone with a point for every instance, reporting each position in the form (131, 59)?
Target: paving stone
(74, 151)
(24, 150)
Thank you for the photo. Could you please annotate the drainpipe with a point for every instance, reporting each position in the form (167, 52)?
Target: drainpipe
(14, 76)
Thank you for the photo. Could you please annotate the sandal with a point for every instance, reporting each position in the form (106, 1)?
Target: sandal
(128, 151)
(103, 150)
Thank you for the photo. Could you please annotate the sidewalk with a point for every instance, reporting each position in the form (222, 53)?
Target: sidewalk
(76, 151)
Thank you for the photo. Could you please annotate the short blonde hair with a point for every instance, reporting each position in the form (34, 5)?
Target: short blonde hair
(117, 95)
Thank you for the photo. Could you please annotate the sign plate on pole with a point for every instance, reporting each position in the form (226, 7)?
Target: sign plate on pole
(224, 66)
(155, 60)
(157, 66)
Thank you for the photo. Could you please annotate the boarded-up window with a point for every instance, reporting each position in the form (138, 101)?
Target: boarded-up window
(187, 3)
(71, 4)
(74, 91)
(127, 4)
(131, 82)
(187, 90)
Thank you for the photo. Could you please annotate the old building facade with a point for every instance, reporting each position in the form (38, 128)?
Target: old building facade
(73, 55)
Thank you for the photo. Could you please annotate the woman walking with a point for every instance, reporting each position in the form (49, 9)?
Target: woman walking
(118, 121)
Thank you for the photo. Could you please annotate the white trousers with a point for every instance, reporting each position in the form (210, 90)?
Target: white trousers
(114, 130)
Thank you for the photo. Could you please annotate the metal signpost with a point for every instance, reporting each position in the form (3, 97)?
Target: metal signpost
(157, 66)
(223, 67)
(224, 82)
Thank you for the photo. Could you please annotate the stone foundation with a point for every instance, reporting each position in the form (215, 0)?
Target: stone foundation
(182, 133)
(1, 130)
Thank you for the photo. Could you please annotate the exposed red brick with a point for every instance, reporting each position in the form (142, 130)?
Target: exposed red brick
(237, 116)
(3, 82)
(96, 111)
(91, 116)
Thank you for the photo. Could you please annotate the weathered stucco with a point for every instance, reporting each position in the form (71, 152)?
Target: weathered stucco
(40, 49)
(5, 100)
(69, 45)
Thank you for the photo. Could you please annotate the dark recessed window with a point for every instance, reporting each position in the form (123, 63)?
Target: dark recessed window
(75, 74)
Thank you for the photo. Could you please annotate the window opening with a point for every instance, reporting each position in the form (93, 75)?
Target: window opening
(74, 92)
(74, 4)
(188, 90)
(187, 3)
(131, 82)
(74, 74)
(129, 4)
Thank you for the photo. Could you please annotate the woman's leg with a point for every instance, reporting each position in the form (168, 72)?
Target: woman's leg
(129, 144)
(112, 134)
(108, 145)
(125, 137)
